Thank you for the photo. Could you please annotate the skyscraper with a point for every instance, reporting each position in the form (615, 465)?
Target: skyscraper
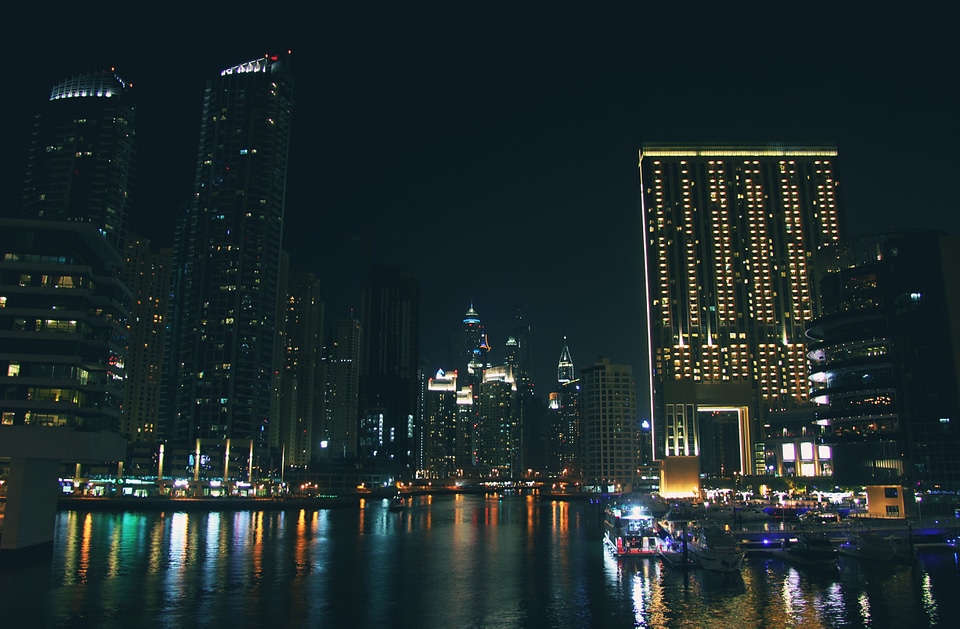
(301, 382)
(147, 274)
(499, 443)
(885, 363)
(81, 159)
(390, 370)
(227, 260)
(609, 425)
(728, 234)
(342, 367)
(440, 426)
(565, 370)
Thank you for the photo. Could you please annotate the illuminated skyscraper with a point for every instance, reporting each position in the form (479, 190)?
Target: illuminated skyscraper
(80, 165)
(440, 426)
(227, 260)
(500, 428)
(728, 236)
(565, 370)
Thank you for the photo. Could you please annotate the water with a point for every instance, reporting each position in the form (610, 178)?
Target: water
(452, 561)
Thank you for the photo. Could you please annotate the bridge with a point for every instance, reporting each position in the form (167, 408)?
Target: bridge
(36, 454)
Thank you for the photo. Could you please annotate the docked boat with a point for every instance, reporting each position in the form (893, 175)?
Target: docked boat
(716, 549)
(808, 549)
(868, 546)
(629, 531)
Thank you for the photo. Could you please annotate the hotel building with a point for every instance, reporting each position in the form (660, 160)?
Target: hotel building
(729, 231)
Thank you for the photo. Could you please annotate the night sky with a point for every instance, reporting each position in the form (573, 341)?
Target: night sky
(495, 149)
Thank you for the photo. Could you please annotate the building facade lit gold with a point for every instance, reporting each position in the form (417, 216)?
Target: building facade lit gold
(729, 231)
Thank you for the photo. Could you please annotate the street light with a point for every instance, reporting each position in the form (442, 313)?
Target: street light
(919, 512)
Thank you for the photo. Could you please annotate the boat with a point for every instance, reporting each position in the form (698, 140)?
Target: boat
(808, 549)
(753, 514)
(628, 531)
(716, 549)
(397, 503)
(871, 546)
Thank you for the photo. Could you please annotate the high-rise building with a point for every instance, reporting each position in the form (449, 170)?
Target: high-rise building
(389, 377)
(728, 235)
(567, 432)
(146, 273)
(885, 364)
(499, 444)
(342, 366)
(227, 261)
(471, 346)
(608, 425)
(441, 413)
(63, 314)
(81, 159)
(301, 384)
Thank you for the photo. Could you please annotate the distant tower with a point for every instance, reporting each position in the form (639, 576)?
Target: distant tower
(81, 159)
(341, 417)
(301, 389)
(608, 424)
(474, 345)
(147, 274)
(227, 261)
(389, 380)
(441, 414)
(499, 433)
(565, 370)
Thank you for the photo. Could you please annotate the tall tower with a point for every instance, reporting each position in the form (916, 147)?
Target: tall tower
(227, 260)
(147, 274)
(440, 426)
(390, 375)
(80, 164)
(608, 424)
(301, 398)
(728, 235)
(342, 390)
(565, 370)
(472, 346)
(499, 443)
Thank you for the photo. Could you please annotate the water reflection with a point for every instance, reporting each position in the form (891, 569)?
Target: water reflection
(463, 561)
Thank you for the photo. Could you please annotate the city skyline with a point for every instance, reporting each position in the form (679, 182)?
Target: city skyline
(505, 151)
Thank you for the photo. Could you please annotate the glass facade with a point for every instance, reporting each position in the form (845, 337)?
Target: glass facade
(883, 359)
(224, 321)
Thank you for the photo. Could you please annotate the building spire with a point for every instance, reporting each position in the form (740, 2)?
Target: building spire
(565, 371)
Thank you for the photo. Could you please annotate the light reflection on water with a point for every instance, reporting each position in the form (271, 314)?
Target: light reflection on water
(464, 561)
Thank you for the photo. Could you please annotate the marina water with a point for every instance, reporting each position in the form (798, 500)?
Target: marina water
(452, 561)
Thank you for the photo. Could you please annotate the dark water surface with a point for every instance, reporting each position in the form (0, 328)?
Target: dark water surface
(453, 561)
